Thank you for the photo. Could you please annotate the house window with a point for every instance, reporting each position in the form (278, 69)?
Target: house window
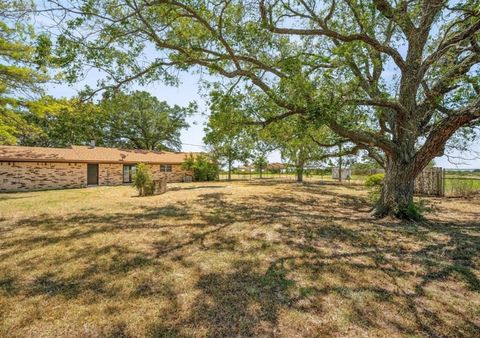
(128, 172)
(165, 168)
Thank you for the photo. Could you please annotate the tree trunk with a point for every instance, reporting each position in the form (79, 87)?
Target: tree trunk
(229, 170)
(340, 163)
(299, 169)
(396, 198)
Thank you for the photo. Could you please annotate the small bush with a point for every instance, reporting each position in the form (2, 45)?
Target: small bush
(414, 211)
(203, 168)
(142, 180)
(375, 181)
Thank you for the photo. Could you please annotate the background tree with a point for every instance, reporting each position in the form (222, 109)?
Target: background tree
(299, 140)
(62, 123)
(259, 154)
(140, 120)
(331, 60)
(225, 133)
(22, 69)
(301, 143)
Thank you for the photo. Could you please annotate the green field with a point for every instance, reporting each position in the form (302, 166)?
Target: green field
(462, 185)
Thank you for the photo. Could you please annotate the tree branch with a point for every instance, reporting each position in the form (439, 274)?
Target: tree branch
(442, 132)
(325, 31)
(363, 137)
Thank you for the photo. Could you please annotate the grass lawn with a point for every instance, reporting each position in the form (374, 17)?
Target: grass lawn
(232, 260)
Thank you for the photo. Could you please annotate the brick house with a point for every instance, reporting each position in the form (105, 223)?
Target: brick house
(38, 168)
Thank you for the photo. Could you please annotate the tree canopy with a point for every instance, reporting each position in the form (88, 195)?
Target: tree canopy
(140, 120)
(22, 69)
(124, 120)
(64, 122)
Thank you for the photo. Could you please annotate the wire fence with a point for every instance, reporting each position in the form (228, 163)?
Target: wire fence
(456, 182)
(462, 182)
(309, 175)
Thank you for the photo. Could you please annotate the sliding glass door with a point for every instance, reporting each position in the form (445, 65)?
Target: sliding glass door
(128, 172)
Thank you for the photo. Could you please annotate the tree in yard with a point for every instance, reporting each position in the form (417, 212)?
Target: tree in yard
(260, 162)
(299, 140)
(140, 120)
(302, 143)
(331, 61)
(225, 132)
(259, 154)
(22, 69)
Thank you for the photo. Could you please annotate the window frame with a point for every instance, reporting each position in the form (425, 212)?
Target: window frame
(131, 170)
(166, 168)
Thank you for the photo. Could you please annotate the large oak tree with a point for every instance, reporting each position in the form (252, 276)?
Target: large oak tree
(398, 78)
(139, 120)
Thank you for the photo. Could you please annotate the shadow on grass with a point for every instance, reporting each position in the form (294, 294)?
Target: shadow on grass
(200, 187)
(326, 246)
(240, 303)
(14, 196)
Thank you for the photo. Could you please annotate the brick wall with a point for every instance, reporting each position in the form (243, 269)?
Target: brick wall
(176, 175)
(25, 176)
(110, 174)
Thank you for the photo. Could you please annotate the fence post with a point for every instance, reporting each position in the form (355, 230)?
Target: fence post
(444, 177)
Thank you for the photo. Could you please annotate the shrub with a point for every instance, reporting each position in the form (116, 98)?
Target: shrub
(414, 211)
(142, 180)
(202, 166)
(375, 181)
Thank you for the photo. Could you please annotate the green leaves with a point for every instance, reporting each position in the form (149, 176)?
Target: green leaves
(128, 120)
(382, 74)
(227, 133)
(140, 120)
(22, 71)
(142, 180)
(203, 167)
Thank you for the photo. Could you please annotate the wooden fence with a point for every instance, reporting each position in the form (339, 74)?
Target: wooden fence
(430, 182)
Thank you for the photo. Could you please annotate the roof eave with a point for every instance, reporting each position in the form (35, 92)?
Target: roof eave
(85, 161)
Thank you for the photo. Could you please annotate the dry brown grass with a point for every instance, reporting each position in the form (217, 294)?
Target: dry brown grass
(234, 259)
